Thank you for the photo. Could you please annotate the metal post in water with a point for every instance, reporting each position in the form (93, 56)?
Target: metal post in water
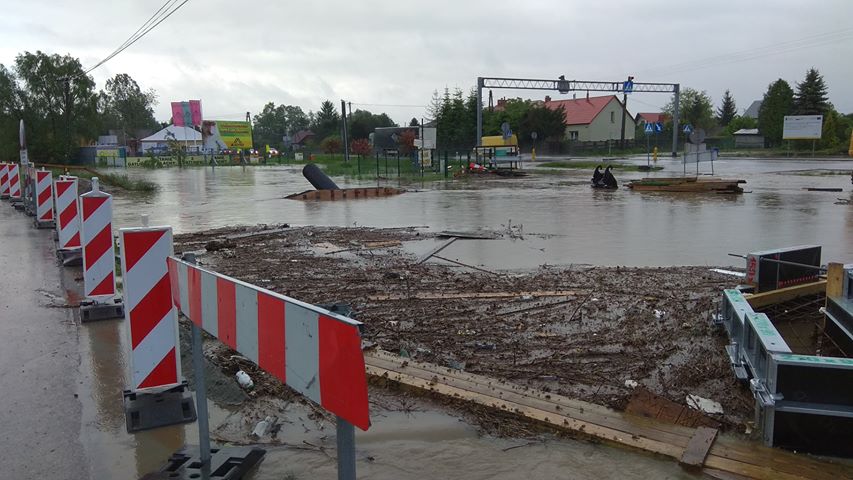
(346, 450)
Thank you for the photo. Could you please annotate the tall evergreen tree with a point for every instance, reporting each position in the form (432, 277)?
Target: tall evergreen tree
(778, 102)
(327, 120)
(727, 110)
(811, 98)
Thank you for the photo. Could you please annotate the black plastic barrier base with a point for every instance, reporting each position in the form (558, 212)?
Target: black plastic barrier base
(147, 410)
(70, 258)
(48, 224)
(227, 463)
(91, 311)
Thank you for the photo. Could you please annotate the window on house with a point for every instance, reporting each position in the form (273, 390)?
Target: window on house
(573, 134)
(612, 117)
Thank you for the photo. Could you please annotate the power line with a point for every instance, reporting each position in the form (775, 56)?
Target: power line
(165, 11)
(387, 105)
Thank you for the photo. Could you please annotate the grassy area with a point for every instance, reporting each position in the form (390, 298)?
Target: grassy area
(111, 179)
(369, 167)
(585, 165)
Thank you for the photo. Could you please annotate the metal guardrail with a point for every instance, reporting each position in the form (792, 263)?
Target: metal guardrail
(803, 402)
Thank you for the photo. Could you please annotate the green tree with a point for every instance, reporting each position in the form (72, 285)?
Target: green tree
(695, 108)
(326, 121)
(362, 123)
(811, 97)
(830, 138)
(10, 114)
(47, 84)
(414, 122)
(270, 126)
(739, 122)
(331, 144)
(126, 108)
(727, 110)
(778, 101)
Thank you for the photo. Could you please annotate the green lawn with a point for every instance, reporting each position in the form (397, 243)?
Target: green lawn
(586, 165)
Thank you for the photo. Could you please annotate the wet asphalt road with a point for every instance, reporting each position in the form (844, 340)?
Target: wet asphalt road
(40, 413)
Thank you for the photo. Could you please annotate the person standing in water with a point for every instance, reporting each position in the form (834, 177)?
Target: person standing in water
(597, 176)
(609, 180)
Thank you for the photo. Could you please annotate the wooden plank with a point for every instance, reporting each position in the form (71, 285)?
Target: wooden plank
(727, 454)
(772, 297)
(834, 280)
(476, 295)
(698, 447)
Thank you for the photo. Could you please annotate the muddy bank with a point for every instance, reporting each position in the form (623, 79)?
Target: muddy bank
(585, 332)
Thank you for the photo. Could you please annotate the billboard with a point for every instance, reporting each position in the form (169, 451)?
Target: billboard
(802, 127)
(218, 135)
(186, 114)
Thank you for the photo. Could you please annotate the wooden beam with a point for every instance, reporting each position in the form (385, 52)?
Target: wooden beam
(772, 297)
(834, 279)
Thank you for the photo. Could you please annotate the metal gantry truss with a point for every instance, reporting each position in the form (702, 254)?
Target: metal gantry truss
(564, 86)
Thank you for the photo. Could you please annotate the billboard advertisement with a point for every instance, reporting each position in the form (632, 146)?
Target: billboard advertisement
(802, 127)
(186, 114)
(218, 135)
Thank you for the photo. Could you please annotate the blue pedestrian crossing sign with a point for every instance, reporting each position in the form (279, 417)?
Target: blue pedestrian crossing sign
(628, 87)
(688, 128)
(658, 127)
(649, 129)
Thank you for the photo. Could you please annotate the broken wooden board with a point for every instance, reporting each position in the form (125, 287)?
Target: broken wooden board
(698, 447)
(435, 250)
(475, 295)
(647, 404)
(468, 235)
(728, 456)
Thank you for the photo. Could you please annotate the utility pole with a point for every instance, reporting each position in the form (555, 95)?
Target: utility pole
(677, 95)
(624, 111)
(67, 113)
(344, 130)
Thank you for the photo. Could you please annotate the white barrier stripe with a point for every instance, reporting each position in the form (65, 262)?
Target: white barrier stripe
(147, 271)
(99, 270)
(246, 303)
(183, 287)
(209, 305)
(153, 348)
(97, 221)
(302, 350)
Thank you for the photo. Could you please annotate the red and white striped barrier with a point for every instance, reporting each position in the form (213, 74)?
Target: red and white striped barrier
(44, 196)
(4, 180)
(68, 226)
(155, 360)
(98, 250)
(14, 181)
(314, 351)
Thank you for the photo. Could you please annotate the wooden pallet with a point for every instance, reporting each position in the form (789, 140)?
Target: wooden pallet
(725, 456)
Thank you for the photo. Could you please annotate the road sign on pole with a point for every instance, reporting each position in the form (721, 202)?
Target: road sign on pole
(649, 129)
(687, 128)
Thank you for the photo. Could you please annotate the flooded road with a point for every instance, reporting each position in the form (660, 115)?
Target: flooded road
(564, 221)
(61, 414)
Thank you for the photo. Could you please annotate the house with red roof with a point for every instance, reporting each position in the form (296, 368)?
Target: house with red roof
(654, 117)
(594, 119)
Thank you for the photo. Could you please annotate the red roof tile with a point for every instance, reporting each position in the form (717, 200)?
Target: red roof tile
(652, 117)
(581, 111)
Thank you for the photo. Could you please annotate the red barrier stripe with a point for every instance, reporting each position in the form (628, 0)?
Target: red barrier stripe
(271, 339)
(163, 374)
(44, 196)
(105, 287)
(47, 216)
(227, 312)
(92, 204)
(67, 215)
(142, 242)
(174, 279)
(98, 246)
(62, 186)
(74, 242)
(194, 287)
(150, 310)
(343, 383)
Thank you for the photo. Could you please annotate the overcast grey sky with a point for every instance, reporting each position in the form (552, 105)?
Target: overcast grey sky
(237, 55)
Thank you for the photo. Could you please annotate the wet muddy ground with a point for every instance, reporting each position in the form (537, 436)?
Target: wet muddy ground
(581, 331)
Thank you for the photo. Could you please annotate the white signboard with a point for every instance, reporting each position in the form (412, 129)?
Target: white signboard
(802, 127)
(25, 159)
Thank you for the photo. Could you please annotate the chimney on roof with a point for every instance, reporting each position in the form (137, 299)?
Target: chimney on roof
(547, 98)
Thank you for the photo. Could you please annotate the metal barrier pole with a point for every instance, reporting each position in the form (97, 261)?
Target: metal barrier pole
(346, 450)
(201, 398)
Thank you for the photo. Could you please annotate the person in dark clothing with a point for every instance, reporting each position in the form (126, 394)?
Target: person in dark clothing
(609, 180)
(597, 176)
